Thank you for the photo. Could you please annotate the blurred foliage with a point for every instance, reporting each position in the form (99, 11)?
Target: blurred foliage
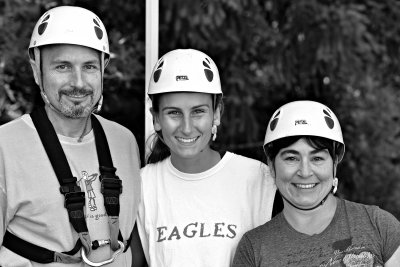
(342, 53)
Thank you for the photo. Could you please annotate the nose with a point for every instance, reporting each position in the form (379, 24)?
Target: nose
(186, 125)
(77, 78)
(305, 169)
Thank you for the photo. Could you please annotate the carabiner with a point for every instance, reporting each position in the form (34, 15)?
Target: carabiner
(118, 251)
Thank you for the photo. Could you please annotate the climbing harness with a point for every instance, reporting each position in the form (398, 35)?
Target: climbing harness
(111, 188)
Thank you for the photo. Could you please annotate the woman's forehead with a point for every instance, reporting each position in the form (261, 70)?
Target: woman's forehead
(185, 99)
(302, 145)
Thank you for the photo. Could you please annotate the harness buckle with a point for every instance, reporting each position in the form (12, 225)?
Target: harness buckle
(111, 186)
(70, 186)
(110, 260)
(74, 200)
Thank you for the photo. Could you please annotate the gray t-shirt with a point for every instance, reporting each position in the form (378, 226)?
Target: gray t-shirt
(358, 235)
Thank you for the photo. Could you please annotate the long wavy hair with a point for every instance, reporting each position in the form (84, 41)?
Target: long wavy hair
(158, 149)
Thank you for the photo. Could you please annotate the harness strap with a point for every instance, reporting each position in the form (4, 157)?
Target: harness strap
(74, 197)
(30, 251)
(43, 255)
(111, 188)
(111, 185)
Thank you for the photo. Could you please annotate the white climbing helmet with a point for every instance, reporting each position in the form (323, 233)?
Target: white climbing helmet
(185, 70)
(70, 25)
(304, 118)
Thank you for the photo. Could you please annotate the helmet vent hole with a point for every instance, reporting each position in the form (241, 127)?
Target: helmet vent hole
(157, 75)
(327, 113)
(46, 18)
(274, 121)
(273, 124)
(42, 27)
(208, 72)
(329, 122)
(95, 22)
(209, 75)
(99, 32)
(328, 119)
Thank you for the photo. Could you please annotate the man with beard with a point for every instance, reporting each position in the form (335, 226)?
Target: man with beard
(69, 179)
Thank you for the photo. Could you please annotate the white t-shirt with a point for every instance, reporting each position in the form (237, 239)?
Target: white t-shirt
(31, 205)
(198, 219)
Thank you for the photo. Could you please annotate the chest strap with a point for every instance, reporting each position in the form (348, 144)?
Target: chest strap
(111, 188)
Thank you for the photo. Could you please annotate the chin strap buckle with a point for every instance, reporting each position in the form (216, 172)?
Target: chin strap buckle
(113, 257)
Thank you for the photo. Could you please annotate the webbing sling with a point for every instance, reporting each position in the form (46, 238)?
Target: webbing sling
(111, 187)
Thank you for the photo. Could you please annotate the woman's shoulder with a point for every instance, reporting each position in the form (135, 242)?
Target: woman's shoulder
(357, 207)
(374, 212)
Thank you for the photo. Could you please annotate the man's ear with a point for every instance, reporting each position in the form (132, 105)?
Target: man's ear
(217, 116)
(156, 121)
(36, 71)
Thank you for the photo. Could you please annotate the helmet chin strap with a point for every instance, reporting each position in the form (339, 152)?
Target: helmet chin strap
(333, 191)
(316, 206)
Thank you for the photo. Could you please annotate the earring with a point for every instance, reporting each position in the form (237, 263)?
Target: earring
(335, 185)
(214, 132)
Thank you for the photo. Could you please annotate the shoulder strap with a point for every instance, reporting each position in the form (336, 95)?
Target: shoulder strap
(111, 185)
(74, 197)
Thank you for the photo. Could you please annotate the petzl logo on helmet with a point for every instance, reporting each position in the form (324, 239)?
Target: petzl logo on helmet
(300, 122)
(182, 78)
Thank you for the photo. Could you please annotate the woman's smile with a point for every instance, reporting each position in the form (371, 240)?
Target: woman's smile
(187, 141)
(305, 186)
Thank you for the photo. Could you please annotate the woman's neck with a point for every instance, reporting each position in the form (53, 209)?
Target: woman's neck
(314, 221)
(198, 164)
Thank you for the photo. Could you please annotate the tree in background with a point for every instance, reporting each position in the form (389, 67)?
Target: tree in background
(344, 54)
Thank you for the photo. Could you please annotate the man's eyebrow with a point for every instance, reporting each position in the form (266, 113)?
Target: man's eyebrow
(61, 60)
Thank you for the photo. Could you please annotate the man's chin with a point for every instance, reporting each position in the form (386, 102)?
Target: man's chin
(76, 112)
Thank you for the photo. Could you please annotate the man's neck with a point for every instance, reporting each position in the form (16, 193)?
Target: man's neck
(70, 127)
